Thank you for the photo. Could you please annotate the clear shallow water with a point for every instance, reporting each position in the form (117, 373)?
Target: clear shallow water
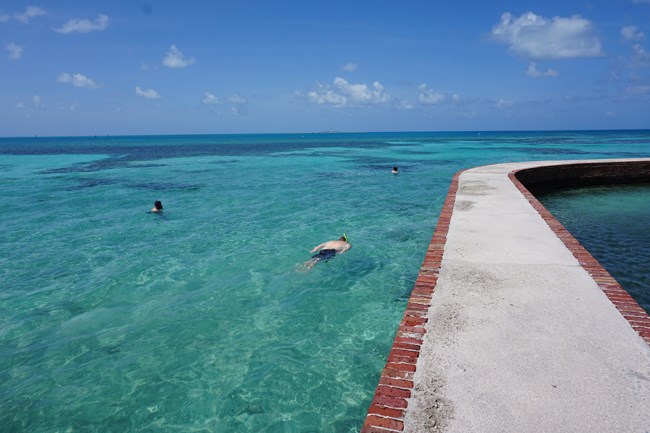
(613, 223)
(113, 319)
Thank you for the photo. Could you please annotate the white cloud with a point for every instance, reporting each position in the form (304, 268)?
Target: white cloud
(4, 18)
(238, 106)
(638, 90)
(38, 102)
(210, 99)
(20, 105)
(176, 59)
(326, 96)
(148, 93)
(535, 73)
(430, 97)
(631, 33)
(84, 26)
(343, 93)
(236, 103)
(15, 51)
(504, 103)
(640, 54)
(30, 12)
(349, 67)
(641, 1)
(77, 80)
(362, 93)
(236, 99)
(536, 37)
(640, 57)
(405, 105)
(467, 114)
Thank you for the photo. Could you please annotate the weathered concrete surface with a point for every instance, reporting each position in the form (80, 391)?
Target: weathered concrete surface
(519, 337)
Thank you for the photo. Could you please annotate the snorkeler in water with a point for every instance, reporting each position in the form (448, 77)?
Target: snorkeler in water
(328, 250)
(157, 207)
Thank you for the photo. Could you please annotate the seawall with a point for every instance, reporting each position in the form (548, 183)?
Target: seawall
(512, 326)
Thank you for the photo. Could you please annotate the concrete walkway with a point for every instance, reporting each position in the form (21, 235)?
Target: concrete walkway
(517, 335)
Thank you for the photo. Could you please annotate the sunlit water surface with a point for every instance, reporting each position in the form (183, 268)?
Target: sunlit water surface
(203, 318)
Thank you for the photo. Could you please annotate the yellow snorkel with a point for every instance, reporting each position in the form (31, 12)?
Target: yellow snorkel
(345, 237)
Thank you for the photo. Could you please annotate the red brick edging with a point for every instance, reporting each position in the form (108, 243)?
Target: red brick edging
(624, 303)
(389, 404)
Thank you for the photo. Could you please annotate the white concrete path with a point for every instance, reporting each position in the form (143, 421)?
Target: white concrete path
(519, 337)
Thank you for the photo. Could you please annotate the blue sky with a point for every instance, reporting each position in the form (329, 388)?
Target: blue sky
(168, 67)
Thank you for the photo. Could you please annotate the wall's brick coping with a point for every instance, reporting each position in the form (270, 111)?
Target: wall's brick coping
(390, 402)
(388, 407)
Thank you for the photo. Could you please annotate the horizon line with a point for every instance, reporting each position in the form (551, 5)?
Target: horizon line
(477, 131)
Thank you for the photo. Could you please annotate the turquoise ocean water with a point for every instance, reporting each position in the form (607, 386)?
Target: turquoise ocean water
(203, 319)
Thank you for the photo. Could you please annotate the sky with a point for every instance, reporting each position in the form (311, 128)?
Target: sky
(281, 66)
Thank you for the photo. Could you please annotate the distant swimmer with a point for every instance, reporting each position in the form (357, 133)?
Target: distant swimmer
(157, 207)
(395, 171)
(328, 250)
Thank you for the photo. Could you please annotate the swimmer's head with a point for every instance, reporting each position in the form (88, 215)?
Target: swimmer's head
(158, 205)
(344, 238)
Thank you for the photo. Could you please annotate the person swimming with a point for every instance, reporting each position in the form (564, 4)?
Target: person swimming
(328, 250)
(395, 170)
(157, 207)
